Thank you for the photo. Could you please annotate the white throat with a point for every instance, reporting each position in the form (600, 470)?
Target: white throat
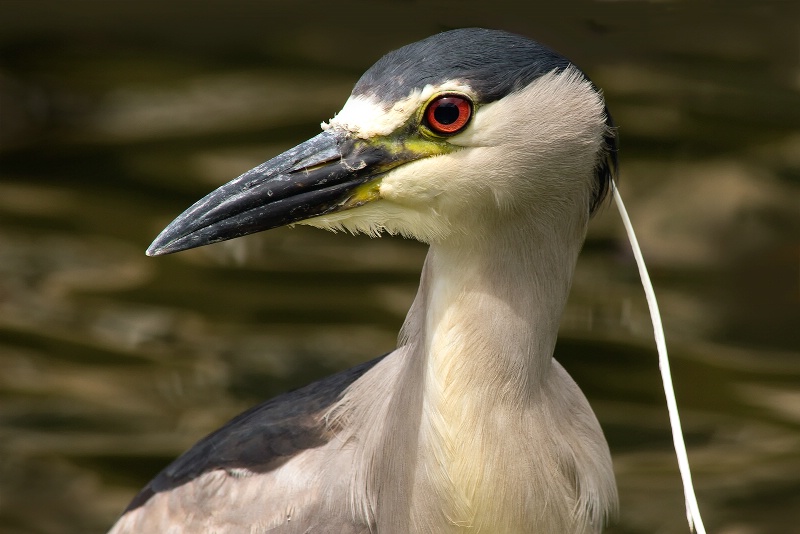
(492, 310)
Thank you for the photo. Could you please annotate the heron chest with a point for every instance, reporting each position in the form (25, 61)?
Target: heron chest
(472, 470)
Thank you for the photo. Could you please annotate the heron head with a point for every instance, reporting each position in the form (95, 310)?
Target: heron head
(453, 133)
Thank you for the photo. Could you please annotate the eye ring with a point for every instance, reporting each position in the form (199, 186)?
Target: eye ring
(448, 114)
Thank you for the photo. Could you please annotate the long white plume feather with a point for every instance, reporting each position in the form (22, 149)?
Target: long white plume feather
(692, 509)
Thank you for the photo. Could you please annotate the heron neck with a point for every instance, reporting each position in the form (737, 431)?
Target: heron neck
(476, 350)
(492, 306)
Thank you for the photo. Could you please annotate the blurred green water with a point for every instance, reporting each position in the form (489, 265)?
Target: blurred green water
(116, 116)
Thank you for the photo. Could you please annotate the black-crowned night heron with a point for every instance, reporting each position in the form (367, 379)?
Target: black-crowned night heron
(495, 151)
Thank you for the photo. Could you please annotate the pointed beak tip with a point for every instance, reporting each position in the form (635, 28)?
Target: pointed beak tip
(153, 251)
(159, 248)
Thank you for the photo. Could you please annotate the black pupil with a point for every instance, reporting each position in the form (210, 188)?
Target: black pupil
(446, 112)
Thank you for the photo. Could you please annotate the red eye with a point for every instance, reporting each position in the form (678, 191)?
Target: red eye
(448, 114)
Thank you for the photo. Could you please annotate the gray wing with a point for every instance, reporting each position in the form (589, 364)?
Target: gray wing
(258, 473)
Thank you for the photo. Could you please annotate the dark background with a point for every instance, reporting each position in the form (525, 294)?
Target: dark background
(115, 116)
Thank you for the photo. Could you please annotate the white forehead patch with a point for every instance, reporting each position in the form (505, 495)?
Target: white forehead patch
(366, 116)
